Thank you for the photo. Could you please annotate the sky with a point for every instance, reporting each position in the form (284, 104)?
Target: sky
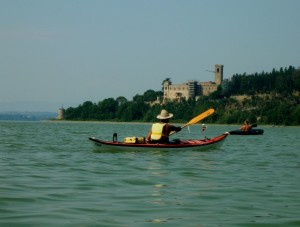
(66, 52)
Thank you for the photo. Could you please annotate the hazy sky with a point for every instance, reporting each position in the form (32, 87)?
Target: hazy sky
(55, 52)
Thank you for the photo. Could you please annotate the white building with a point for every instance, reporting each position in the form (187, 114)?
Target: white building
(192, 89)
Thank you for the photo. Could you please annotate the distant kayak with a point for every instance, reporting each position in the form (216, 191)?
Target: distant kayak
(201, 144)
(250, 132)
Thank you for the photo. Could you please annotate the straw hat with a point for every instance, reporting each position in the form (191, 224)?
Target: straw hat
(164, 115)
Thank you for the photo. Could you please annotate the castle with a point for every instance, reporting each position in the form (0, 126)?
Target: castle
(192, 89)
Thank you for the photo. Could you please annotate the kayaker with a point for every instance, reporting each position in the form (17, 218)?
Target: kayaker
(160, 131)
(246, 127)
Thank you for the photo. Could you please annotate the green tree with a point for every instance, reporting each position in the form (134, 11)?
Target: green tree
(108, 108)
(121, 100)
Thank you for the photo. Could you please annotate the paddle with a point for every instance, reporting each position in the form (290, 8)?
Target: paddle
(253, 125)
(197, 119)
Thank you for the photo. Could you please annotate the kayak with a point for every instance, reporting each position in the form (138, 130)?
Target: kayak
(198, 145)
(250, 132)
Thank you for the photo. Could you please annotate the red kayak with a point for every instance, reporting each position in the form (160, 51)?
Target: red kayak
(201, 144)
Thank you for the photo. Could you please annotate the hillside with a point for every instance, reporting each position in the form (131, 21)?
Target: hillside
(266, 98)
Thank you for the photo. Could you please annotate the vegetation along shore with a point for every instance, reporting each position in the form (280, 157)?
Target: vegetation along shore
(266, 98)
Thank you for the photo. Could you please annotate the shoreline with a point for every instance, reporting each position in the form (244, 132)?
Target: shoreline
(175, 123)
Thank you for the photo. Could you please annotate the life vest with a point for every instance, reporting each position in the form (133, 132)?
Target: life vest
(157, 131)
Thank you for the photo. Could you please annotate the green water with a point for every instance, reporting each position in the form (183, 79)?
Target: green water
(51, 175)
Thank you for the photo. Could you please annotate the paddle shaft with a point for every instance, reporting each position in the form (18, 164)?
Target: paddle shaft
(197, 119)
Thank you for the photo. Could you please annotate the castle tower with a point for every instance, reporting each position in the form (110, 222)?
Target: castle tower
(61, 114)
(219, 74)
(166, 86)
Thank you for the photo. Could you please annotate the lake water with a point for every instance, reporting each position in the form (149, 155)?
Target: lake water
(51, 175)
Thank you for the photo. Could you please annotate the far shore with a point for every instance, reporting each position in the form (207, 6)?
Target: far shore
(147, 123)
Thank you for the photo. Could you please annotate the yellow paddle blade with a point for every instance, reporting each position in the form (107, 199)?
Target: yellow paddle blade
(200, 117)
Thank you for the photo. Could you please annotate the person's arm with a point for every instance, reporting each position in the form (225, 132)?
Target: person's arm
(148, 137)
(173, 128)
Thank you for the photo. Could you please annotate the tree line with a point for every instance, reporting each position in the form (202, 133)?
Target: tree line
(282, 81)
(271, 98)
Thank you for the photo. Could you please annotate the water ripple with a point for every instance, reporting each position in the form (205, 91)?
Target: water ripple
(50, 175)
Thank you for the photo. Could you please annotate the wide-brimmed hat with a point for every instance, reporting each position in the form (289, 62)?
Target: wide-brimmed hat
(164, 115)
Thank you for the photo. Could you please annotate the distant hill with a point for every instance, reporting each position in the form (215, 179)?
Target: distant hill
(27, 116)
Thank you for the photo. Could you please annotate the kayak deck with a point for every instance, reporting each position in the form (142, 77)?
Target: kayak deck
(200, 144)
